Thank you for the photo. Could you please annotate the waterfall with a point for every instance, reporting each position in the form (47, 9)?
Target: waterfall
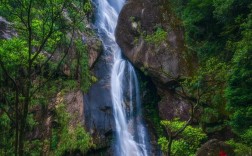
(131, 136)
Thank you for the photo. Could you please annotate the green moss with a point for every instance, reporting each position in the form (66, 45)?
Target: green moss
(157, 37)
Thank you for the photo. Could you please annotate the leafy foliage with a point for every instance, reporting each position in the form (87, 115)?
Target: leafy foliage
(6, 138)
(219, 33)
(240, 148)
(67, 138)
(239, 90)
(86, 79)
(30, 64)
(188, 142)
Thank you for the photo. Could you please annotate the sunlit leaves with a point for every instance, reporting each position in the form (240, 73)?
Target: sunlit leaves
(87, 6)
(189, 139)
(163, 142)
(14, 53)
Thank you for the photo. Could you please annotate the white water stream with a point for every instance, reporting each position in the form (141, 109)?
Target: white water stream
(131, 137)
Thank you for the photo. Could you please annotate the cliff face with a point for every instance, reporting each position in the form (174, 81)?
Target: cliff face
(164, 61)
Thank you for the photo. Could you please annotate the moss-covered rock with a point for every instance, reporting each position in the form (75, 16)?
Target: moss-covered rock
(151, 36)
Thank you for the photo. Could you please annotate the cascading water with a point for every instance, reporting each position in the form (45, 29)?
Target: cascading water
(131, 137)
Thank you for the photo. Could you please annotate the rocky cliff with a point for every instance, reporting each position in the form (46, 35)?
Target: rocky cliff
(164, 60)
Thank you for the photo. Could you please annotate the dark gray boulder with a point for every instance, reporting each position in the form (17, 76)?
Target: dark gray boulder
(215, 147)
(164, 62)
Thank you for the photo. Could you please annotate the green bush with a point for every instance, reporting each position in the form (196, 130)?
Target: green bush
(240, 148)
(69, 138)
(188, 141)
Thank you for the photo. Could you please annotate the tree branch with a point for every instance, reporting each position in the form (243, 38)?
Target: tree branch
(67, 51)
(6, 73)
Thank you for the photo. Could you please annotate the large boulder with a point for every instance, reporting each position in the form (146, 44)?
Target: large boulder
(166, 61)
(215, 147)
(173, 106)
(140, 18)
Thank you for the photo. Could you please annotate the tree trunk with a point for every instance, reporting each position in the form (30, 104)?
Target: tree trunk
(21, 139)
(23, 119)
(169, 145)
(16, 124)
(22, 130)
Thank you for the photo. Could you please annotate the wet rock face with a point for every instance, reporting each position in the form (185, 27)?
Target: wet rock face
(98, 109)
(215, 147)
(6, 32)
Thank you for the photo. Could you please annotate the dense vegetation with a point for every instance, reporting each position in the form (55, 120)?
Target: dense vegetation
(31, 75)
(219, 34)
